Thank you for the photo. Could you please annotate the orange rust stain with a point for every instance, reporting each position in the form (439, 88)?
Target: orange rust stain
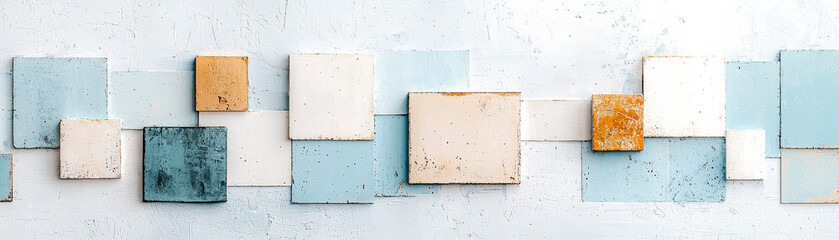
(221, 83)
(470, 93)
(617, 122)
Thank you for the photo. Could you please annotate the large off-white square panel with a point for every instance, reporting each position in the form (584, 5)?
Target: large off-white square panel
(331, 96)
(90, 148)
(556, 120)
(258, 147)
(745, 152)
(684, 97)
(463, 138)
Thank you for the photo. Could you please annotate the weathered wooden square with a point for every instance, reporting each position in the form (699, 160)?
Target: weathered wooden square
(556, 120)
(90, 148)
(401, 72)
(753, 100)
(259, 150)
(331, 96)
(684, 97)
(152, 99)
(47, 90)
(185, 164)
(810, 176)
(221, 83)
(617, 122)
(332, 172)
(809, 99)
(391, 159)
(6, 177)
(745, 154)
(464, 138)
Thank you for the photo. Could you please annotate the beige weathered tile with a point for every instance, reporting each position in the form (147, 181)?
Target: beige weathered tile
(745, 154)
(90, 148)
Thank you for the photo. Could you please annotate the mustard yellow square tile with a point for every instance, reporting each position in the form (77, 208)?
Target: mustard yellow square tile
(221, 83)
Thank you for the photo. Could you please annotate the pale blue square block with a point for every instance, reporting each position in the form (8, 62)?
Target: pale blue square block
(332, 172)
(49, 89)
(5, 112)
(669, 169)
(809, 99)
(753, 100)
(809, 176)
(391, 159)
(5, 177)
(151, 99)
(268, 86)
(401, 72)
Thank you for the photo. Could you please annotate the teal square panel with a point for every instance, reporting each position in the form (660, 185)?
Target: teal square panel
(391, 159)
(668, 170)
(753, 100)
(185, 164)
(6, 177)
(332, 171)
(401, 72)
(49, 89)
(152, 99)
(809, 83)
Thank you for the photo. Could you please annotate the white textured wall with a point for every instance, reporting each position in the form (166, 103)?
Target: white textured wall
(546, 49)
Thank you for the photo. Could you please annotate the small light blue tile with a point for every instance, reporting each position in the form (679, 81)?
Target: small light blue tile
(5, 113)
(753, 100)
(391, 159)
(268, 87)
(49, 89)
(809, 176)
(669, 169)
(808, 99)
(151, 99)
(401, 72)
(332, 171)
(5, 177)
(185, 164)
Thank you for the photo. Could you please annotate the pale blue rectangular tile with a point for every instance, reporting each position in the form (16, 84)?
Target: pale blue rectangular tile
(5, 112)
(669, 169)
(6, 178)
(185, 164)
(400, 72)
(391, 159)
(809, 98)
(809, 176)
(49, 89)
(332, 172)
(151, 99)
(753, 100)
(268, 86)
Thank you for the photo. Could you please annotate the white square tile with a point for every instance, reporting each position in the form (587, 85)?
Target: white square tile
(556, 120)
(258, 147)
(331, 96)
(684, 97)
(90, 148)
(745, 154)
(463, 138)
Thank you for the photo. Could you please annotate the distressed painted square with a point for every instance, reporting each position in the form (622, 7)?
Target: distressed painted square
(185, 164)
(259, 150)
(221, 83)
(684, 97)
(617, 122)
(745, 154)
(753, 100)
(464, 138)
(668, 170)
(90, 149)
(391, 159)
(6, 177)
(47, 90)
(331, 96)
(401, 72)
(809, 101)
(332, 172)
(810, 176)
(556, 120)
(5, 112)
(153, 99)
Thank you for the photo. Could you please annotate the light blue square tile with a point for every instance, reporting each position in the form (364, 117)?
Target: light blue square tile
(49, 89)
(809, 176)
(268, 86)
(151, 99)
(332, 172)
(185, 164)
(6, 177)
(669, 169)
(5, 113)
(753, 100)
(809, 86)
(401, 72)
(391, 159)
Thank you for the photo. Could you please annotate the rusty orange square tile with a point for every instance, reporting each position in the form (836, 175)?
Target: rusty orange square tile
(617, 122)
(221, 83)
